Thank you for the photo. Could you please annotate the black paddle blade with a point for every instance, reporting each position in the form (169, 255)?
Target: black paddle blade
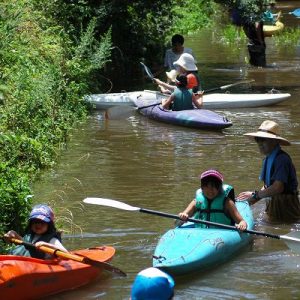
(147, 70)
(104, 265)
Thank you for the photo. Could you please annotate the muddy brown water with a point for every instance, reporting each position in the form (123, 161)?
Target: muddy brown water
(154, 165)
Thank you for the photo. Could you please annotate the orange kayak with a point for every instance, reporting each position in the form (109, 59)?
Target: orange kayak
(27, 278)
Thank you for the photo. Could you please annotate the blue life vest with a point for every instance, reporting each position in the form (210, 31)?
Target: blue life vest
(213, 211)
(21, 250)
(182, 99)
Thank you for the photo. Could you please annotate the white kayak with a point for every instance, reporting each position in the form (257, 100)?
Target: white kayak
(210, 101)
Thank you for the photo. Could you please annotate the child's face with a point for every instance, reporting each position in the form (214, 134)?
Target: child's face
(210, 191)
(39, 227)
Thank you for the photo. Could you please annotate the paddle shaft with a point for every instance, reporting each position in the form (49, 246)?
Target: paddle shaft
(172, 216)
(67, 255)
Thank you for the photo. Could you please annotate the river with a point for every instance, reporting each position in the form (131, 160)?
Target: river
(156, 166)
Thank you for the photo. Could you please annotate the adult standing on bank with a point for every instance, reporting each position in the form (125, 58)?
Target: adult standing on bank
(278, 175)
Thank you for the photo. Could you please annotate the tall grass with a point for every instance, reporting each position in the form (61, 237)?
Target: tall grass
(44, 76)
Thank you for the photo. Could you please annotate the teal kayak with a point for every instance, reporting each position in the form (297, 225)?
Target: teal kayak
(189, 249)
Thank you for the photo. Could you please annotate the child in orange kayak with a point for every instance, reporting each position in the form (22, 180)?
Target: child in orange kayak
(214, 202)
(40, 231)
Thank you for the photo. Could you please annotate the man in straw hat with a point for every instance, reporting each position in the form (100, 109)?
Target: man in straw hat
(278, 174)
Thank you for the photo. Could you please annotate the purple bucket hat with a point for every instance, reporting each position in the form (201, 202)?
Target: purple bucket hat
(42, 212)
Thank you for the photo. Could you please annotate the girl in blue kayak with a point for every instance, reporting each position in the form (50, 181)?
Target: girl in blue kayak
(214, 202)
(40, 231)
(182, 98)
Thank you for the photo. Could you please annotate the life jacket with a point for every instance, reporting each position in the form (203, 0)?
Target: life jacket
(182, 99)
(213, 211)
(193, 81)
(22, 250)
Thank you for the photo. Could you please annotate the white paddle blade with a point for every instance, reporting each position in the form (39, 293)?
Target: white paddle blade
(292, 240)
(111, 203)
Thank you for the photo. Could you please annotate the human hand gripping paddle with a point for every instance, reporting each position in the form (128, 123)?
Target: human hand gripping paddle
(223, 87)
(292, 239)
(67, 255)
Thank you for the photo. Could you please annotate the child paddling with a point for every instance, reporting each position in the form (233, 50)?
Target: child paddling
(214, 202)
(40, 231)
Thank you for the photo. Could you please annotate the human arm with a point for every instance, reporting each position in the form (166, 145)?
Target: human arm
(167, 102)
(252, 197)
(11, 234)
(189, 211)
(164, 84)
(54, 244)
(198, 99)
(231, 209)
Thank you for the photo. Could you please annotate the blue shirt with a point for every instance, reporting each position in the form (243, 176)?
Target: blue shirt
(284, 171)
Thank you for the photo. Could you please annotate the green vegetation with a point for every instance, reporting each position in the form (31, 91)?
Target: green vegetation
(44, 76)
(229, 35)
(288, 38)
(191, 16)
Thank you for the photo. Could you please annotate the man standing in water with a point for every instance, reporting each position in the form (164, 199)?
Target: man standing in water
(248, 14)
(278, 174)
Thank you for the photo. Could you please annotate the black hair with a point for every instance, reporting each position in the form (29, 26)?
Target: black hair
(213, 181)
(177, 39)
(181, 81)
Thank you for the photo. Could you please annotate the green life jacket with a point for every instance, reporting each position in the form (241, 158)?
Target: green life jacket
(183, 99)
(21, 250)
(213, 211)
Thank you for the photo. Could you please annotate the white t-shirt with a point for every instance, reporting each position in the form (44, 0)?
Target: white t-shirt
(54, 241)
(171, 57)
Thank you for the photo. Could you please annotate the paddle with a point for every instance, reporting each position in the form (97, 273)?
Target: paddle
(296, 13)
(148, 71)
(292, 242)
(223, 87)
(67, 255)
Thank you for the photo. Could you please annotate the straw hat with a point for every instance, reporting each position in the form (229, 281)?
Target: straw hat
(187, 62)
(270, 130)
(172, 75)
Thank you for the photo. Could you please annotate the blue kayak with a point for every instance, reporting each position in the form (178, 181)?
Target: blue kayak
(189, 249)
(195, 118)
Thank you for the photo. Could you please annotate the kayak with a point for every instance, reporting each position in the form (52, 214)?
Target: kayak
(224, 101)
(270, 30)
(189, 249)
(24, 278)
(210, 101)
(105, 101)
(194, 118)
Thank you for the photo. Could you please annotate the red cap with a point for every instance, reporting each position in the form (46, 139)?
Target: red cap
(212, 173)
